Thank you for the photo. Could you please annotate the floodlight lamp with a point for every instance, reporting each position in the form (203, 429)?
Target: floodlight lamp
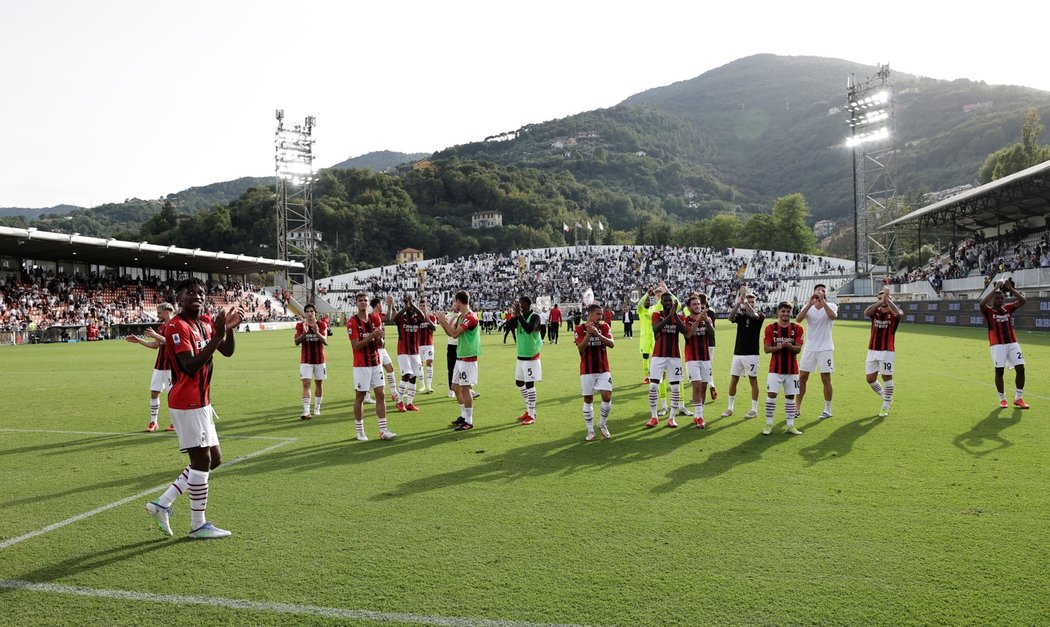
(280, 114)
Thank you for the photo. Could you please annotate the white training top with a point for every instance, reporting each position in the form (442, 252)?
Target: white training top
(819, 329)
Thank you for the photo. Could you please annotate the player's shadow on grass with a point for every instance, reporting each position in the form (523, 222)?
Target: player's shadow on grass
(137, 484)
(986, 436)
(721, 462)
(92, 561)
(108, 441)
(840, 442)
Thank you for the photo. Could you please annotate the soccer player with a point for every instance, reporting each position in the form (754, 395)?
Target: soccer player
(698, 355)
(1002, 339)
(885, 318)
(820, 350)
(426, 349)
(554, 324)
(468, 348)
(593, 337)
(388, 365)
(191, 339)
(783, 342)
(748, 323)
(528, 369)
(408, 321)
(666, 360)
(161, 379)
(366, 332)
(710, 345)
(311, 335)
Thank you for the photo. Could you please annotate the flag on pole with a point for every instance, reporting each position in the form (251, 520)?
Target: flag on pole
(565, 227)
(600, 227)
(579, 226)
(589, 226)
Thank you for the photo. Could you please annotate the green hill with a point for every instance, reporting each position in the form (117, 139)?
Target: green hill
(380, 160)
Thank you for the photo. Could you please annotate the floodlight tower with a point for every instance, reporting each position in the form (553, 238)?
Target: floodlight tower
(870, 109)
(296, 238)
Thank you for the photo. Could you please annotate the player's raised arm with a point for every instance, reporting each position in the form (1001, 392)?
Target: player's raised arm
(1021, 300)
(226, 327)
(191, 364)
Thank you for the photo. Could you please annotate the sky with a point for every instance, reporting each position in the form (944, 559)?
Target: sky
(113, 99)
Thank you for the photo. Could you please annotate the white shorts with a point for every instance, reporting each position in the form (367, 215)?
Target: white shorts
(160, 381)
(426, 353)
(384, 358)
(787, 381)
(1007, 355)
(879, 362)
(317, 372)
(699, 371)
(465, 373)
(817, 361)
(744, 366)
(368, 378)
(600, 382)
(195, 427)
(410, 365)
(672, 365)
(527, 371)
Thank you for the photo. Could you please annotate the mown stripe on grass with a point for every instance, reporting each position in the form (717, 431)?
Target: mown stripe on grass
(261, 606)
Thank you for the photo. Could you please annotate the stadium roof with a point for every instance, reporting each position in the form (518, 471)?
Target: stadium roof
(45, 245)
(1021, 195)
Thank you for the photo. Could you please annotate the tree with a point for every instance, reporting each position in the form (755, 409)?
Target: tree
(789, 224)
(723, 230)
(1017, 157)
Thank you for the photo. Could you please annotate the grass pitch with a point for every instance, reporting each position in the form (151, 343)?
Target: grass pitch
(936, 514)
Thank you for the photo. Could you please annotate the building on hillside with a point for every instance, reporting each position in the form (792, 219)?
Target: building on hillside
(486, 219)
(409, 255)
(823, 228)
(304, 239)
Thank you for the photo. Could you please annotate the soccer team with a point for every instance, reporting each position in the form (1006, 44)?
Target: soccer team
(187, 341)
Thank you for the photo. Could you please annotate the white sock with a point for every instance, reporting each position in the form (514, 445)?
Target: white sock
(1002, 396)
(771, 406)
(605, 408)
(197, 484)
(654, 392)
(524, 397)
(176, 488)
(789, 409)
(410, 393)
(317, 404)
(887, 393)
(675, 395)
(154, 410)
(698, 410)
(469, 411)
(306, 405)
(754, 405)
(827, 406)
(360, 424)
(391, 383)
(729, 404)
(430, 377)
(588, 416)
(382, 424)
(876, 387)
(1018, 394)
(530, 401)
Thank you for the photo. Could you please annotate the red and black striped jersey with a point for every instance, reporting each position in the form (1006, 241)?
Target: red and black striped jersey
(162, 363)
(594, 359)
(883, 329)
(188, 391)
(783, 361)
(698, 347)
(312, 347)
(356, 329)
(426, 331)
(1000, 324)
(408, 332)
(666, 344)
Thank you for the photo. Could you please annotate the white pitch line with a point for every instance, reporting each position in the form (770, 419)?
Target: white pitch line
(261, 606)
(69, 521)
(1006, 385)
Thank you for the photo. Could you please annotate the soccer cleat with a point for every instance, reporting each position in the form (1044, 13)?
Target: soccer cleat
(428, 391)
(474, 394)
(151, 428)
(362, 437)
(529, 420)
(751, 414)
(369, 400)
(885, 411)
(589, 437)
(208, 531)
(792, 430)
(645, 380)
(605, 433)
(458, 421)
(170, 428)
(393, 397)
(699, 422)
(1019, 402)
(162, 515)
(671, 423)
(411, 407)
(523, 416)
(317, 412)
(652, 422)
(304, 417)
(823, 415)
(1003, 404)
(387, 435)
(714, 393)
(464, 426)
(451, 394)
(767, 430)
(727, 413)
(401, 407)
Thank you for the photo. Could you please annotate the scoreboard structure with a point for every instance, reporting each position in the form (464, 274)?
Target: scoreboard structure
(1034, 316)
